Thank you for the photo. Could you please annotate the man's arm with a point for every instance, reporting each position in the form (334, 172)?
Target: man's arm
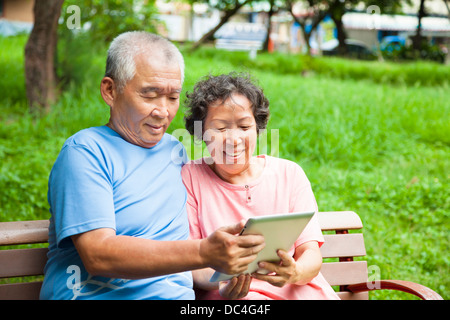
(105, 254)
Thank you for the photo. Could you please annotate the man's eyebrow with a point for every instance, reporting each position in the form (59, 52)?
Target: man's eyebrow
(158, 90)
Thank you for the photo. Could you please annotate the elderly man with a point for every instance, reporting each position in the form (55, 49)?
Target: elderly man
(118, 227)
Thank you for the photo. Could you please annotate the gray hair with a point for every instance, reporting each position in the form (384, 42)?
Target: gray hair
(120, 64)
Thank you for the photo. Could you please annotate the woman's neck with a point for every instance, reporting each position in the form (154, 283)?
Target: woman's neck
(246, 175)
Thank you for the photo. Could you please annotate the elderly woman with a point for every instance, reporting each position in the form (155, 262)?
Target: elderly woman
(233, 185)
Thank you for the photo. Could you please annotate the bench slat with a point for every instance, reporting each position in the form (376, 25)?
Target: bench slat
(343, 245)
(339, 220)
(20, 291)
(23, 232)
(22, 262)
(344, 273)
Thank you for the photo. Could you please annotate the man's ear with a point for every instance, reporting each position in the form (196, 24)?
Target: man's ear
(108, 91)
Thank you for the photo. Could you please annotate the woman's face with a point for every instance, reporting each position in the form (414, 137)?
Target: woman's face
(230, 135)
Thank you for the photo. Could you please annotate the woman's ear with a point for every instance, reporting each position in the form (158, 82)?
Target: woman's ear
(108, 90)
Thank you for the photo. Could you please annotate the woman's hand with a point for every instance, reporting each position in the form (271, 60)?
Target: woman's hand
(300, 269)
(235, 288)
(282, 273)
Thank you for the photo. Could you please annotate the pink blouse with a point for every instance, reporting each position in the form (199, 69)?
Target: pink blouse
(281, 188)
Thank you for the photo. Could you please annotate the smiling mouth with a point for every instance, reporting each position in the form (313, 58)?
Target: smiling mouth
(156, 128)
(234, 155)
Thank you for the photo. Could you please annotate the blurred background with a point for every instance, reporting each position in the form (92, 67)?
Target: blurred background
(358, 89)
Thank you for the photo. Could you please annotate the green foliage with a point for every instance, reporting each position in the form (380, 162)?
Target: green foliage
(377, 145)
(12, 78)
(78, 60)
(107, 19)
(413, 73)
(408, 53)
(100, 22)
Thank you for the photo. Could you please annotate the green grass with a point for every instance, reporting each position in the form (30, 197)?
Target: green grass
(372, 137)
(416, 74)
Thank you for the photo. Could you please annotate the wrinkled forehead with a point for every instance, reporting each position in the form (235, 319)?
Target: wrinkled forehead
(157, 68)
(158, 57)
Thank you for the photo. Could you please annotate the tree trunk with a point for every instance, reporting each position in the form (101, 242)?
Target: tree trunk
(302, 25)
(337, 11)
(269, 26)
(417, 39)
(315, 21)
(448, 8)
(40, 75)
(341, 35)
(228, 14)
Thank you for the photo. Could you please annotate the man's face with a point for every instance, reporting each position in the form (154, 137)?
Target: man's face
(144, 110)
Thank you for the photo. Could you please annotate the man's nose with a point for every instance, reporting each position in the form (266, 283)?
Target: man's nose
(161, 110)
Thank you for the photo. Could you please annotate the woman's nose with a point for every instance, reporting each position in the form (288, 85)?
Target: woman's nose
(234, 136)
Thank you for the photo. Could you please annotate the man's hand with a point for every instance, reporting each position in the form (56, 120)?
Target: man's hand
(235, 288)
(225, 251)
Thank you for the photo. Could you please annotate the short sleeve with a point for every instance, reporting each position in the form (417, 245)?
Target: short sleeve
(191, 204)
(303, 200)
(80, 193)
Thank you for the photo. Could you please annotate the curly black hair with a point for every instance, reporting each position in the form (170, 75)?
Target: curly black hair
(219, 88)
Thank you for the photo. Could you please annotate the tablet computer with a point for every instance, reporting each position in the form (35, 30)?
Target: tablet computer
(280, 231)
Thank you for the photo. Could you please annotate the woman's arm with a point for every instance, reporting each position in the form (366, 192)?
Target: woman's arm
(308, 261)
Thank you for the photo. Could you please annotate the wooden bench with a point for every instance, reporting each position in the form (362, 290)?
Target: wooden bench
(22, 262)
(351, 276)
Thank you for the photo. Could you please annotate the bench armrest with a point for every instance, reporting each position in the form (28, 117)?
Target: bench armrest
(416, 289)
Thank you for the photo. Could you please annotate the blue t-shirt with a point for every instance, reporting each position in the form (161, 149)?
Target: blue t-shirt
(99, 180)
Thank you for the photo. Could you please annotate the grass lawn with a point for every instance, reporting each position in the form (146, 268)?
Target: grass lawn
(377, 143)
